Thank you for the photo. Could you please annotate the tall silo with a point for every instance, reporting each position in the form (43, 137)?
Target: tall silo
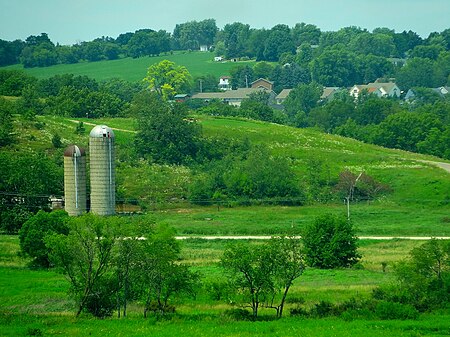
(75, 180)
(101, 152)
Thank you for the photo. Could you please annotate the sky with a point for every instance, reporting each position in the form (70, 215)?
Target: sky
(72, 21)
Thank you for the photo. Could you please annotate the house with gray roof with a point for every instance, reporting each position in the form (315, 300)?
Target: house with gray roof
(232, 97)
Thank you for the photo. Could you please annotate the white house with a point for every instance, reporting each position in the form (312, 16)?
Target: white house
(388, 89)
(224, 83)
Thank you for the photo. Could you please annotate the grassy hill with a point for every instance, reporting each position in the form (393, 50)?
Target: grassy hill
(419, 203)
(198, 63)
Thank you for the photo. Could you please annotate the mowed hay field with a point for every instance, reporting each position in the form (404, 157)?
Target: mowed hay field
(129, 69)
(35, 302)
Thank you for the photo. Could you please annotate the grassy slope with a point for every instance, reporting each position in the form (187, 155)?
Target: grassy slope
(418, 204)
(130, 69)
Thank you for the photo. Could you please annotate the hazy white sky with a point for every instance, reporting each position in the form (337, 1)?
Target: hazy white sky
(72, 21)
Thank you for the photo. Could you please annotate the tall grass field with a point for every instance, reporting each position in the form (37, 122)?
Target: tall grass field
(35, 302)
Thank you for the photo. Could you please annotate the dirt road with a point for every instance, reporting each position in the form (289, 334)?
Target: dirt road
(265, 237)
(444, 166)
(93, 124)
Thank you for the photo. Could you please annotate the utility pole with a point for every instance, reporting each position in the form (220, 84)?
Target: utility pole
(201, 85)
(350, 195)
(246, 81)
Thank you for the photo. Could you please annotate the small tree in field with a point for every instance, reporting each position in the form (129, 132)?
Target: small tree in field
(263, 274)
(330, 242)
(250, 269)
(161, 276)
(85, 257)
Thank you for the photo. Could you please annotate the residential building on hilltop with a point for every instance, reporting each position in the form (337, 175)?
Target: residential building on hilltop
(232, 97)
(389, 89)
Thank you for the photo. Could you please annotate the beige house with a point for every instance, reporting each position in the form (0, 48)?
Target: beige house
(327, 95)
(231, 97)
(262, 83)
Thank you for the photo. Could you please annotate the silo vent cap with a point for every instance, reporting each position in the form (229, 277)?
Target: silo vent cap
(101, 131)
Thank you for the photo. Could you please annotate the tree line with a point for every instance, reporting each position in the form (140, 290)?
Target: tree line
(345, 57)
(110, 263)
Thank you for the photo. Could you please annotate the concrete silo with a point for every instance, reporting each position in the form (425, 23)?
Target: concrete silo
(75, 180)
(102, 164)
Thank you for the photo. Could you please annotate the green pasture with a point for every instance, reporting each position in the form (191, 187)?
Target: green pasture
(418, 205)
(35, 302)
(370, 219)
(129, 69)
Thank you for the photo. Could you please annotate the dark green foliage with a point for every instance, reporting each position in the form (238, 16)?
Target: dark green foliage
(330, 242)
(72, 102)
(13, 216)
(6, 123)
(191, 35)
(12, 82)
(34, 231)
(122, 89)
(288, 76)
(392, 310)
(101, 302)
(418, 72)
(254, 176)
(302, 98)
(146, 42)
(423, 278)
(206, 83)
(10, 52)
(242, 76)
(80, 129)
(165, 135)
(238, 314)
(405, 130)
(56, 141)
(39, 51)
(21, 197)
(53, 85)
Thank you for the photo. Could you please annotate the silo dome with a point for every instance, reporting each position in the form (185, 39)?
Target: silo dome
(102, 164)
(101, 131)
(75, 180)
(74, 151)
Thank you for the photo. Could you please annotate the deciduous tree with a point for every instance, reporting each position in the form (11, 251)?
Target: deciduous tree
(168, 79)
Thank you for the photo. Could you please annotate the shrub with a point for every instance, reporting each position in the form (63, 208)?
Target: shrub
(102, 300)
(35, 229)
(392, 310)
(330, 242)
(238, 314)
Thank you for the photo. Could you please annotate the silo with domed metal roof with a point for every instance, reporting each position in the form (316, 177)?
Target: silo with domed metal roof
(74, 180)
(102, 170)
